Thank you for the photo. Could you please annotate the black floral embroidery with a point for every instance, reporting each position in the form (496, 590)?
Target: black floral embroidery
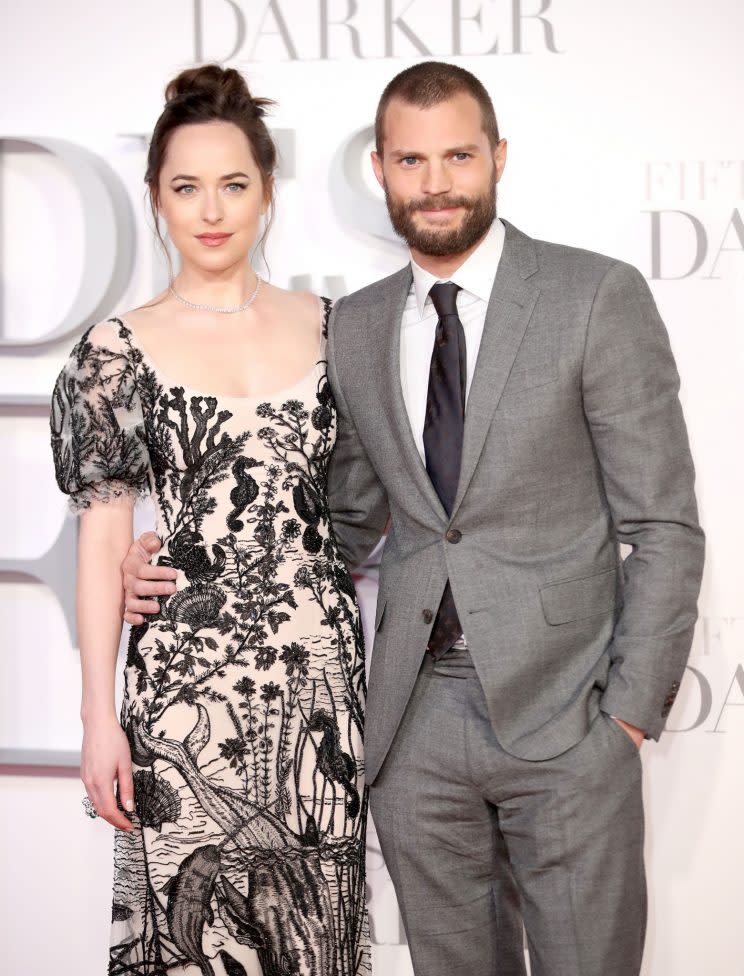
(244, 695)
(97, 426)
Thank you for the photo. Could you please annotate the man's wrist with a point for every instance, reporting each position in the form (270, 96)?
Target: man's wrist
(636, 734)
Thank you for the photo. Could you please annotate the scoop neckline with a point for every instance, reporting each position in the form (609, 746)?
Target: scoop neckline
(266, 398)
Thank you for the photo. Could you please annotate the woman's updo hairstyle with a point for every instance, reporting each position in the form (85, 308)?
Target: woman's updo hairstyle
(212, 94)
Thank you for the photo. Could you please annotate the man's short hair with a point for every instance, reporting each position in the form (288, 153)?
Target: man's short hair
(431, 82)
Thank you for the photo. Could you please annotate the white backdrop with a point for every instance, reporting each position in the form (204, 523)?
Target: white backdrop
(624, 124)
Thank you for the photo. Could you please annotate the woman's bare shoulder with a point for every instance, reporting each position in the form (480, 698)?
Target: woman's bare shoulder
(302, 307)
(148, 316)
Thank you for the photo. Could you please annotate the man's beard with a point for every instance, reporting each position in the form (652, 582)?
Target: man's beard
(480, 213)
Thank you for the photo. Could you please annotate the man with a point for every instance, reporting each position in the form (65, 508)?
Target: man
(511, 406)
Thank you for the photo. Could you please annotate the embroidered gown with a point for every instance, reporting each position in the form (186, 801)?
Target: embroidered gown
(244, 695)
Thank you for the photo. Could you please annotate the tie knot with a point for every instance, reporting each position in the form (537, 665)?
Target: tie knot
(444, 297)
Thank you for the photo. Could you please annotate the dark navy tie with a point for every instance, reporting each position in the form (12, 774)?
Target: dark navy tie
(443, 431)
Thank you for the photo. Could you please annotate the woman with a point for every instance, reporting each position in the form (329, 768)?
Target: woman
(238, 755)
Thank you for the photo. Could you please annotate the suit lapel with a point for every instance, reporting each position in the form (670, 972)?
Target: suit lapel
(390, 327)
(510, 307)
(509, 310)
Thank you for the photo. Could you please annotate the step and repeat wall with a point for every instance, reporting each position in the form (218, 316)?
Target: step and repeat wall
(625, 136)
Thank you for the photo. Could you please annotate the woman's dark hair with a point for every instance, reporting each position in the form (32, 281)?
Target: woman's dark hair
(212, 94)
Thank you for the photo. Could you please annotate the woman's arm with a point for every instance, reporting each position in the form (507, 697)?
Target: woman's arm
(105, 537)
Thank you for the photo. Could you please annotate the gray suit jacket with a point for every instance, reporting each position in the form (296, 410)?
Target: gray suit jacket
(574, 443)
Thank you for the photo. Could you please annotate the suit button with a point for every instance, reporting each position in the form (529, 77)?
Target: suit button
(428, 615)
(453, 536)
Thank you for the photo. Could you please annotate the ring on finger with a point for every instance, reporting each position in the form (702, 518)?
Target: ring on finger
(90, 810)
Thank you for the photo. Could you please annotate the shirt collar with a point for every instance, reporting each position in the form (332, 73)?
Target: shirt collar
(475, 276)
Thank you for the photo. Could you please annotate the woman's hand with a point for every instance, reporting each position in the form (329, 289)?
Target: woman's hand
(106, 759)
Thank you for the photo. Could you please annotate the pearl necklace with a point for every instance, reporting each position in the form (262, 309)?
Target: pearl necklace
(214, 308)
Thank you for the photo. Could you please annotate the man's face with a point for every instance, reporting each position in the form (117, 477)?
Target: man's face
(439, 174)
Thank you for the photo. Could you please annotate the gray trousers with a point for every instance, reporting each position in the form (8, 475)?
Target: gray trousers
(477, 841)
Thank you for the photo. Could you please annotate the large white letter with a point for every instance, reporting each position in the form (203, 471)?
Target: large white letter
(108, 233)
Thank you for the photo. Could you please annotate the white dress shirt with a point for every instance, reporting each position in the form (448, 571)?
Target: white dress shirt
(475, 277)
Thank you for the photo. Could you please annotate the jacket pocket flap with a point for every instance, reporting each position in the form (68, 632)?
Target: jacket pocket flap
(578, 598)
(530, 376)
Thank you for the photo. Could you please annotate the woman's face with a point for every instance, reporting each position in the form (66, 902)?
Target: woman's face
(211, 195)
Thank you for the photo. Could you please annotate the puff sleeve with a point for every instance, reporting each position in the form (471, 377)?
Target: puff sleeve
(97, 425)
